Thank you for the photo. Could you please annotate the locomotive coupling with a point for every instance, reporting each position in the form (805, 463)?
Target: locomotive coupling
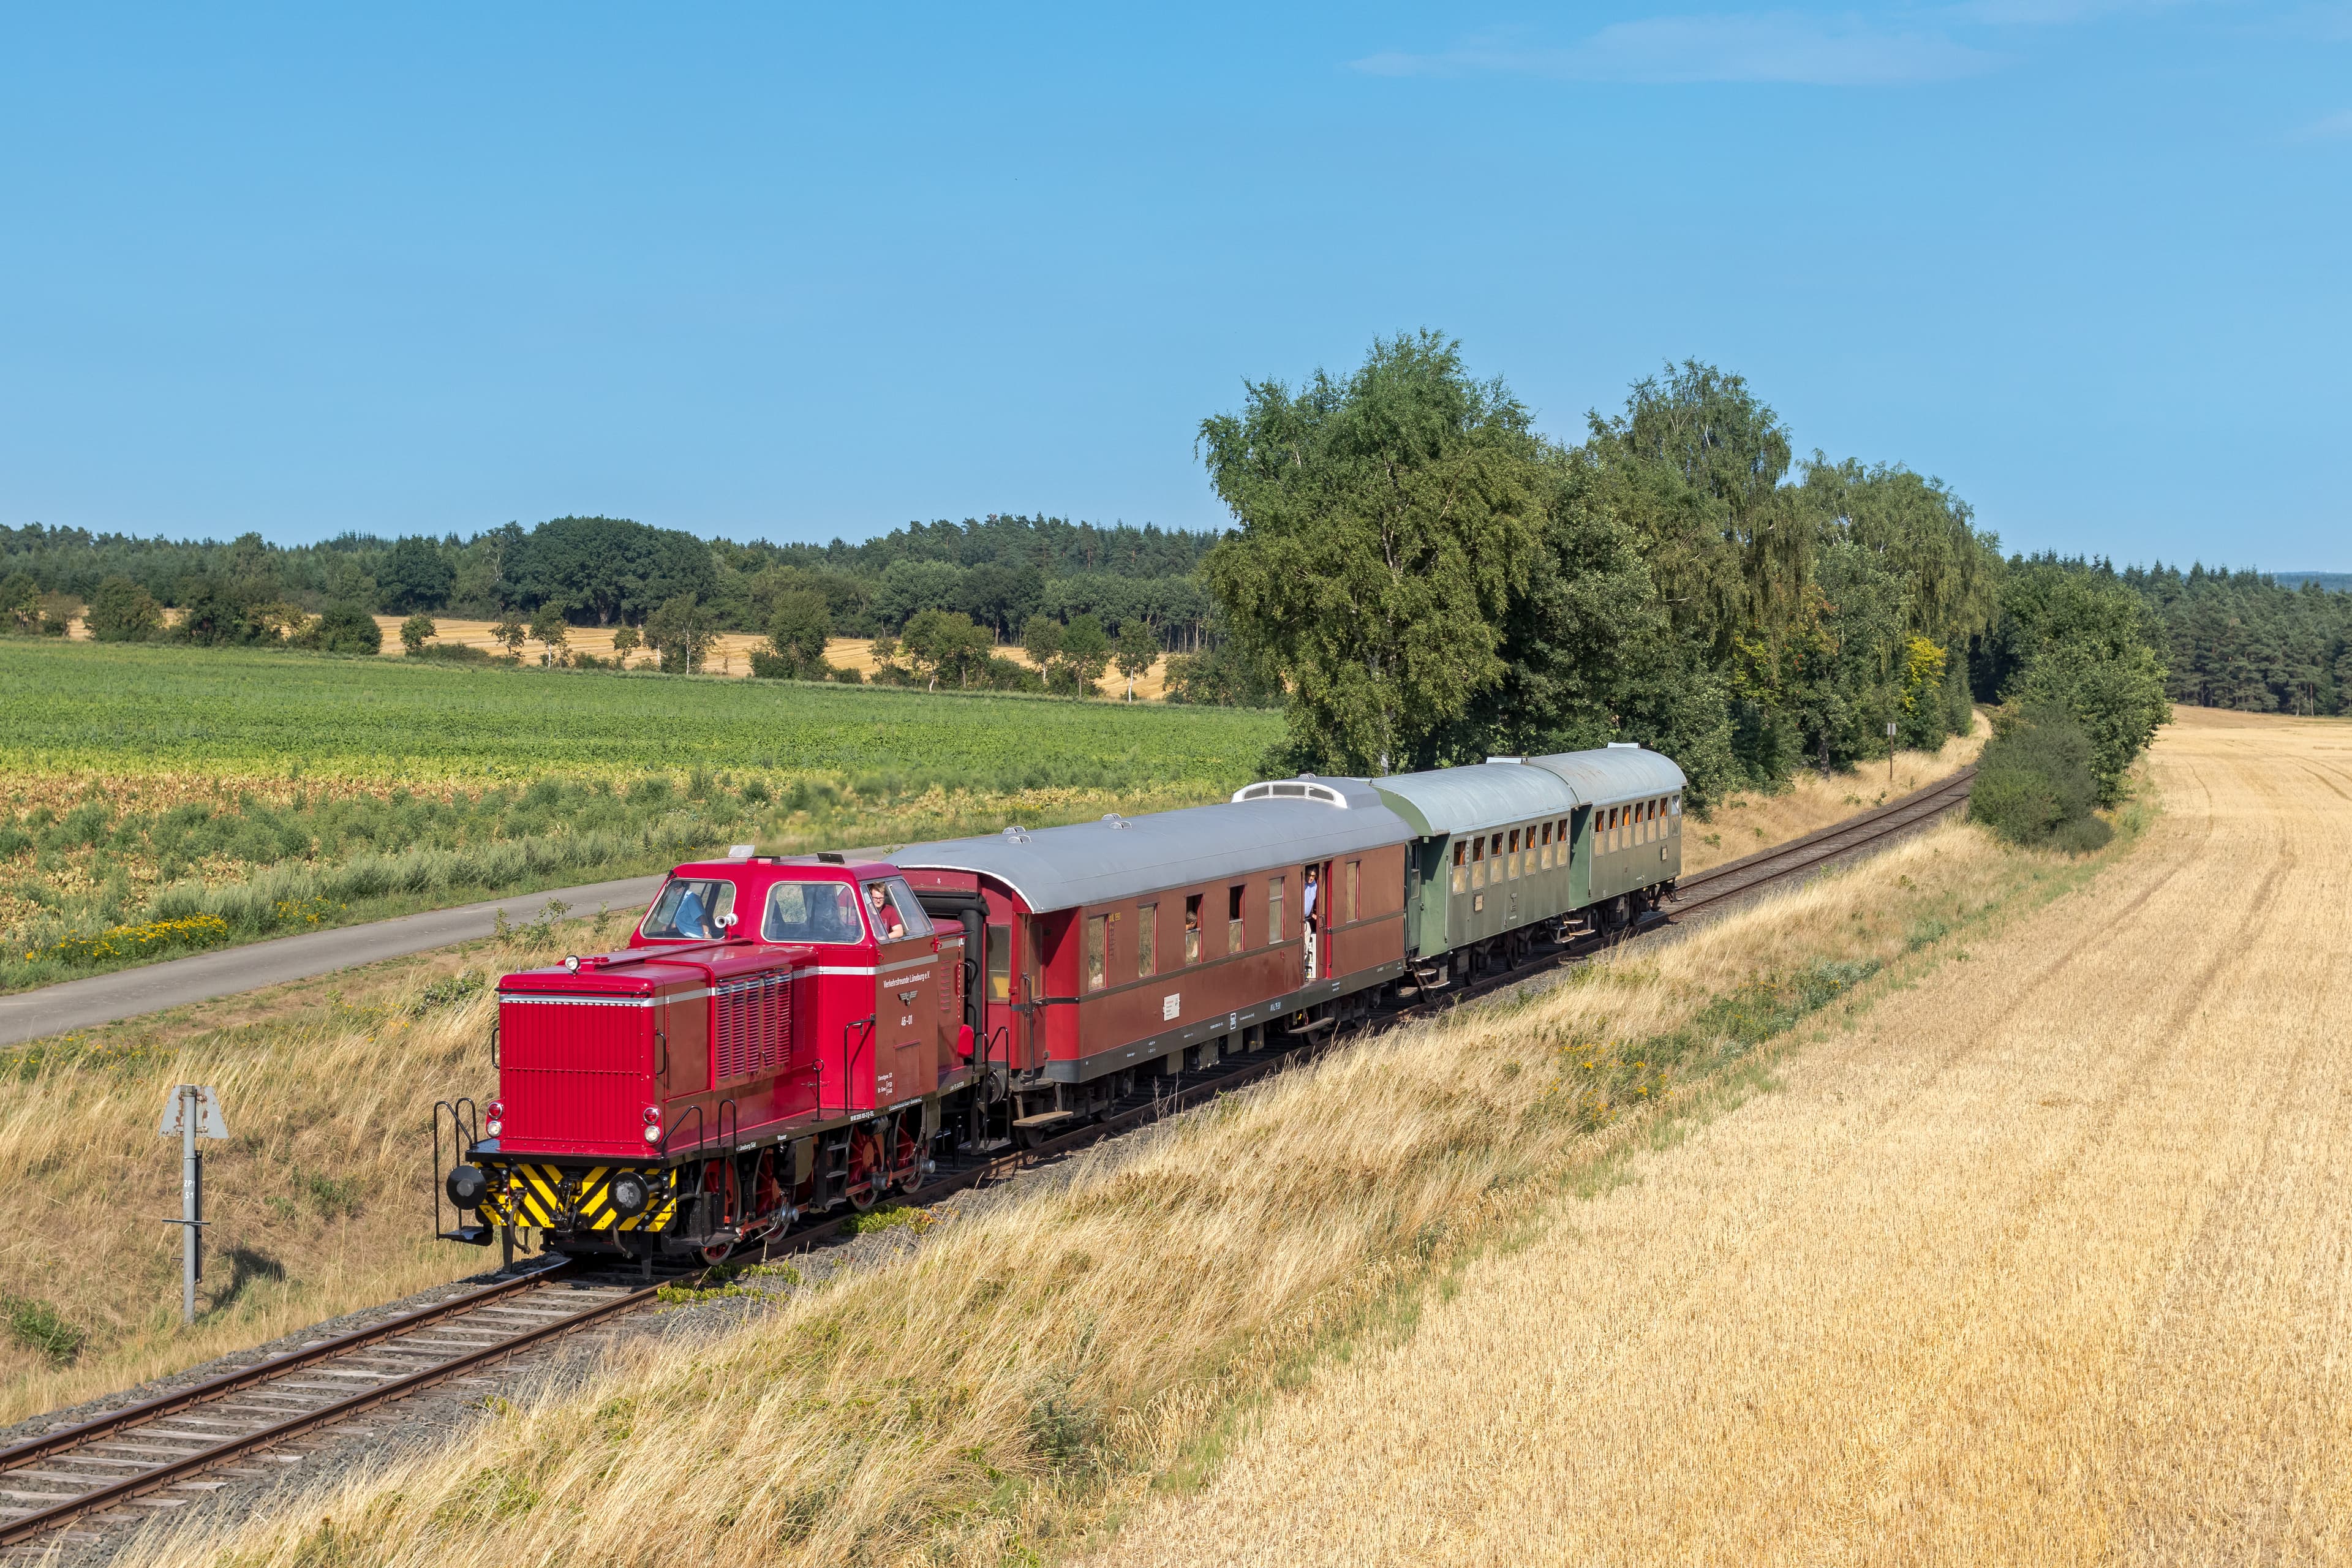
(465, 1187)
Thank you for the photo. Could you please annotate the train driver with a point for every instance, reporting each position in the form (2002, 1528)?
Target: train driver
(887, 924)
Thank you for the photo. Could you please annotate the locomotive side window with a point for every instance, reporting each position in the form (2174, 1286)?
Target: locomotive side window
(1193, 929)
(1461, 867)
(1234, 918)
(1147, 941)
(812, 911)
(1098, 945)
(692, 908)
(897, 914)
(1000, 964)
(1273, 910)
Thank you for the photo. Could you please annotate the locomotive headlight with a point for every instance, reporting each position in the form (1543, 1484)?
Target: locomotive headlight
(630, 1195)
(467, 1187)
(494, 1118)
(653, 1124)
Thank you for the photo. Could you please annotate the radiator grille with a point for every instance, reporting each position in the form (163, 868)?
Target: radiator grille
(751, 1026)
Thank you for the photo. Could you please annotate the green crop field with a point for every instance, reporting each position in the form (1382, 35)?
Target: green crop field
(155, 800)
(83, 708)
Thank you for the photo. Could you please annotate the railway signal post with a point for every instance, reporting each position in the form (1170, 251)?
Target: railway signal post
(194, 1111)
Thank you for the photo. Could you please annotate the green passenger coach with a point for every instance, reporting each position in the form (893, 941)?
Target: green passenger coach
(1522, 847)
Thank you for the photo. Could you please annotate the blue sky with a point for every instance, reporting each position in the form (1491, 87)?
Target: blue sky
(781, 272)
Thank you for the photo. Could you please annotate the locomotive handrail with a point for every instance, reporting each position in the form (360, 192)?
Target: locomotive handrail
(669, 1133)
(465, 1128)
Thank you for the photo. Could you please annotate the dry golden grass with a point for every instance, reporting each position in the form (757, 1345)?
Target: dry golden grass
(319, 1197)
(1028, 1372)
(2046, 1261)
(1748, 821)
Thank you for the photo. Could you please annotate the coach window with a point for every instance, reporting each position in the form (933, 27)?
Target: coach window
(1511, 856)
(1461, 867)
(1147, 941)
(1000, 964)
(1097, 941)
(1273, 910)
(1544, 850)
(1233, 917)
(1478, 861)
(1193, 929)
(1350, 910)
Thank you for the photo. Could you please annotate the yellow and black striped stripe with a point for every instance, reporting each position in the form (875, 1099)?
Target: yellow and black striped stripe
(552, 1199)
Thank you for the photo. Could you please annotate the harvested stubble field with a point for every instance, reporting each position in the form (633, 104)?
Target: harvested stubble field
(2047, 1259)
(1097, 1364)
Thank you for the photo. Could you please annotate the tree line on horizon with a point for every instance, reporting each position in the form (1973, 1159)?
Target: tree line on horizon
(1415, 574)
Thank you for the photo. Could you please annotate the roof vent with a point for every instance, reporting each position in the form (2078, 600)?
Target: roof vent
(1116, 820)
(1625, 745)
(831, 858)
(741, 851)
(1288, 790)
(1017, 833)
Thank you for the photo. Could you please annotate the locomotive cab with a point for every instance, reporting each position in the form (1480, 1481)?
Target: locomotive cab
(774, 1041)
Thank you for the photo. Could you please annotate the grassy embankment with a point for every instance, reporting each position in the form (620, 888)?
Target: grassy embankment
(319, 1198)
(159, 800)
(1751, 820)
(1041, 1367)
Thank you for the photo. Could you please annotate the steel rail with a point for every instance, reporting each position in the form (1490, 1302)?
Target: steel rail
(236, 1446)
(1716, 885)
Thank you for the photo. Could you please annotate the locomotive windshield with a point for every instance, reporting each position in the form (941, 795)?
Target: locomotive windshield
(896, 913)
(812, 911)
(691, 908)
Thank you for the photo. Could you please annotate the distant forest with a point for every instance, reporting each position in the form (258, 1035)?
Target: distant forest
(2248, 640)
(1000, 570)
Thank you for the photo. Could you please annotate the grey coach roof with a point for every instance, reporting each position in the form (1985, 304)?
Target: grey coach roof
(1613, 775)
(1446, 801)
(1101, 862)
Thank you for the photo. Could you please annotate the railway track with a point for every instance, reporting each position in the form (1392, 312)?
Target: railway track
(164, 1453)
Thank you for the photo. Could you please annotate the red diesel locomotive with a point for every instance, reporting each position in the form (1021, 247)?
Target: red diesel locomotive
(777, 1037)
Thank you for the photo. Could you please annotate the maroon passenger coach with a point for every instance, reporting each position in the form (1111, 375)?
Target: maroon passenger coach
(1144, 945)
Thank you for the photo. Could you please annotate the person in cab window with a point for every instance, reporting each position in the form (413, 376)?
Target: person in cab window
(887, 924)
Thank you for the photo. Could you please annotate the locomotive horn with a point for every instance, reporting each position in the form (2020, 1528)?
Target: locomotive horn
(467, 1187)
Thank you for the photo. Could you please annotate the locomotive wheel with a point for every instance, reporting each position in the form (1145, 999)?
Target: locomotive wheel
(866, 1183)
(909, 1174)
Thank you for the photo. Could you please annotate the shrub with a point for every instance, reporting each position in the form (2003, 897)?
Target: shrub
(42, 1329)
(416, 631)
(2035, 782)
(346, 628)
(122, 611)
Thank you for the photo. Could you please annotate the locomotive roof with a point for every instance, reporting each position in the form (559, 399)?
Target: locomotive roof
(1610, 776)
(1446, 801)
(1124, 857)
